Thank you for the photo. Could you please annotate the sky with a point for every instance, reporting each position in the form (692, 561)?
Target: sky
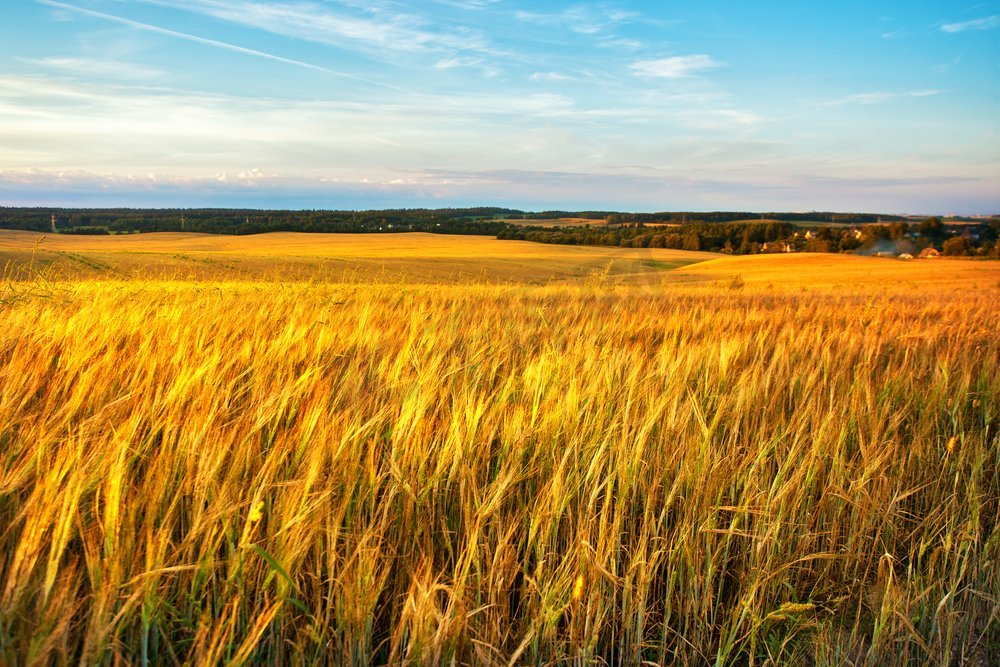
(872, 106)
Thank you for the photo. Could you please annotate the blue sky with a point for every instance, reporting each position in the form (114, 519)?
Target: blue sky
(852, 106)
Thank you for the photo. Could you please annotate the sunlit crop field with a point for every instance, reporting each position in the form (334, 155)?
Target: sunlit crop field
(593, 471)
(365, 258)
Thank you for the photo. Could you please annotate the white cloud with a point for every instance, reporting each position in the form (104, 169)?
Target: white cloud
(468, 4)
(66, 124)
(987, 23)
(621, 44)
(879, 96)
(90, 67)
(457, 61)
(549, 77)
(367, 29)
(719, 119)
(486, 69)
(610, 188)
(582, 20)
(181, 35)
(673, 68)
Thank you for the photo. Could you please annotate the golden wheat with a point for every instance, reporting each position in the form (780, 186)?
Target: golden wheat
(356, 473)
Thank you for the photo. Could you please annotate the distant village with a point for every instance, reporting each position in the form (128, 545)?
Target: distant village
(924, 238)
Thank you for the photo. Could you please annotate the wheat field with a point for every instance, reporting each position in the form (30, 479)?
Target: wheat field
(365, 258)
(593, 471)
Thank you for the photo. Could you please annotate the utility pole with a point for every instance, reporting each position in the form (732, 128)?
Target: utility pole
(53, 223)
(182, 222)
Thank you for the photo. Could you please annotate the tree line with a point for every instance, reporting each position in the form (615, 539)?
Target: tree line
(478, 221)
(982, 239)
(721, 231)
(681, 217)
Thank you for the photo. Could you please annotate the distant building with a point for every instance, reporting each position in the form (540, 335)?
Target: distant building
(777, 246)
(905, 255)
(929, 253)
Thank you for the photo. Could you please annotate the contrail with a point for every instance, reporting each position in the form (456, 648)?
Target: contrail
(194, 38)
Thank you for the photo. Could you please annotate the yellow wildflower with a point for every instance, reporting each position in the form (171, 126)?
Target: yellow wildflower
(257, 513)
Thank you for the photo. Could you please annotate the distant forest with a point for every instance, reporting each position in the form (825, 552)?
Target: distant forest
(721, 231)
(681, 217)
(979, 239)
(479, 221)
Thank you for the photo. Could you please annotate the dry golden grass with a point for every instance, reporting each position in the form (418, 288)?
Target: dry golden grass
(339, 257)
(846, 272)
(244, 471)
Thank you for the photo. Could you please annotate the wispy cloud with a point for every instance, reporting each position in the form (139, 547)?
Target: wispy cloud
(944, 68)
(881, 182)
(183, 35)
(987, 23)
(486, 68)
(68, 124)
(583, 20)
(879, 96)
(458, 61)
(621, 44)
(719, 119)
(468, 4)
(366, 28)
(91, 67)
(456, 185)
(676, 67)
(549, 77)
(626, 189)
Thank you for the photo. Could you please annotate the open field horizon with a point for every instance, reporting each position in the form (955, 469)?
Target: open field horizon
(435, 258)
(416, 256)
(584, 455)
